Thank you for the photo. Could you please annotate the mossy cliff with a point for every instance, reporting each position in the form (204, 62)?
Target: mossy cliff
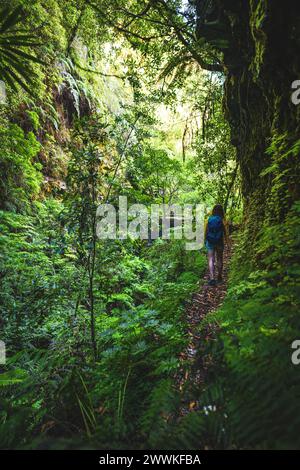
(261, 61)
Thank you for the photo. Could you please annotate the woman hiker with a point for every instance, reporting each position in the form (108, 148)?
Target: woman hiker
(216, 231)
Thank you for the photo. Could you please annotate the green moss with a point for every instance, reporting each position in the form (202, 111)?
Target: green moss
(34, 119)
(258, 15)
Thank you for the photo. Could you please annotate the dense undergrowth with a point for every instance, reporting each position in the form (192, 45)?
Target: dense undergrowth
(55, 389)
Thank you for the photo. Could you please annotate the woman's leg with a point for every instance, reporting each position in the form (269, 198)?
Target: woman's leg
(219, 253)
(211, 263)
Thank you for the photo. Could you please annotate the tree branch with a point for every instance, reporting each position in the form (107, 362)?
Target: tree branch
(121, 28)
(203, 64)
(97, 72)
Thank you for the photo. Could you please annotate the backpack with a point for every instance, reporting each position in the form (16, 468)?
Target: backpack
(214, 229)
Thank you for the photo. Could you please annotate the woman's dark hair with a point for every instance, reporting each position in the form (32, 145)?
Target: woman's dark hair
(218, 210)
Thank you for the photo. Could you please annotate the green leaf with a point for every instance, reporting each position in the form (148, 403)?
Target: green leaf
(20, 82)
(19, 67)
(19, 52)
(11, 19)
(12, 377)
(18, 42)
(7, 78)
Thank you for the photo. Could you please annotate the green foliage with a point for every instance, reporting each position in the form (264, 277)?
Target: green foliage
(12, 377)
(38, 280)
(139, 337)
(21, 177)
(15, 45)
(138, 294)
(34, 118)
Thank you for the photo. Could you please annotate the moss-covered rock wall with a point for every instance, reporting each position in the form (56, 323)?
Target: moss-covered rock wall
(261, 62)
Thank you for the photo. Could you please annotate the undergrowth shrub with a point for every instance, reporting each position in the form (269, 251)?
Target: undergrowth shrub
(56, 395)
(21, 175)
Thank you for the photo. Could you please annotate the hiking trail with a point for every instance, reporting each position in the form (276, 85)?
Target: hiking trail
(206, 300)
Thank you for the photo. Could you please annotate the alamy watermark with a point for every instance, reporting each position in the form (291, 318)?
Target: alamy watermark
(295, 96)
(2, 92)
(166, 221)
(295, 358)
(2, 352)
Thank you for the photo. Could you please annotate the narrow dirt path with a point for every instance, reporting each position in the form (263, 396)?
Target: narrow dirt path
(206, 300)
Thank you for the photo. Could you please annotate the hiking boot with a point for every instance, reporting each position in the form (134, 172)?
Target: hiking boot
(212, 282)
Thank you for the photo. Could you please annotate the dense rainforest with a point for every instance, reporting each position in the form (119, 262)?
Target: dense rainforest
(162, 102)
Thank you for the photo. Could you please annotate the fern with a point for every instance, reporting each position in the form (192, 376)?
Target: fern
(15, 61)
